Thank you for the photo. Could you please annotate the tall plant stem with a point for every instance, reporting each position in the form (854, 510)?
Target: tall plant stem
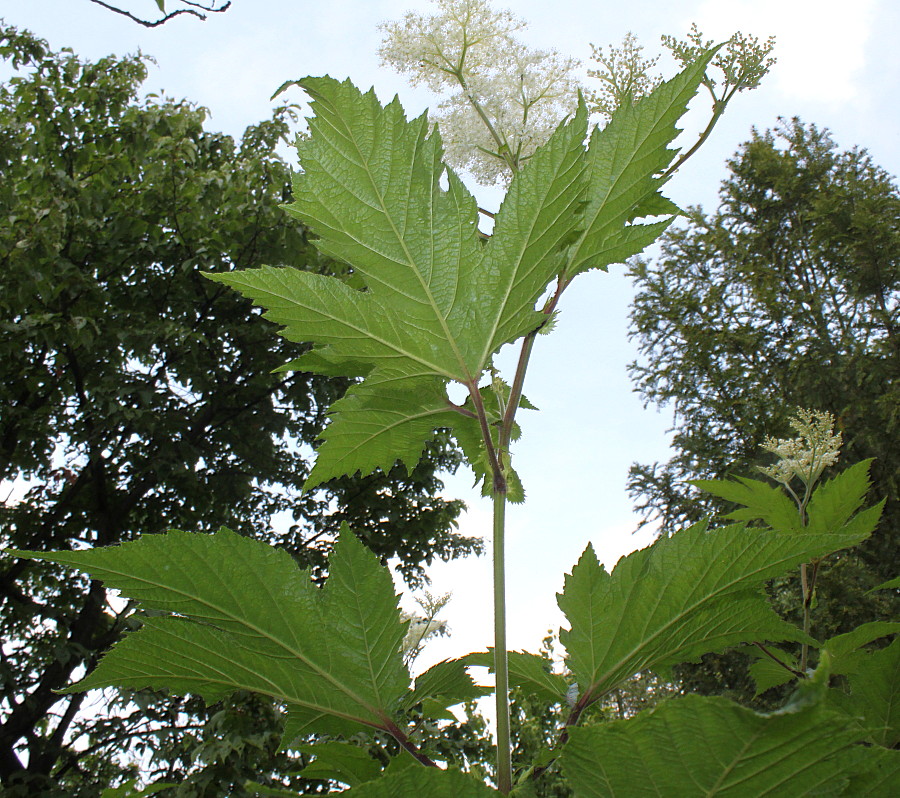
(501, 670)
(804, 648)
(807, 584)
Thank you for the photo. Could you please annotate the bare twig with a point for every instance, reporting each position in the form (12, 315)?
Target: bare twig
(171, 15)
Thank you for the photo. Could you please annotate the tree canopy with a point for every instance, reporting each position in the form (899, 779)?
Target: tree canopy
(138, 396)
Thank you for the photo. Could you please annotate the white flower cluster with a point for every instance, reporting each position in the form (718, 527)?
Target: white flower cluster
(423, 627)
(418, 632)
(807, 456)
(504, 98)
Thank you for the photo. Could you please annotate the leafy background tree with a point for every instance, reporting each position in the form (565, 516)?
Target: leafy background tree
(138, 396)
(787, 295)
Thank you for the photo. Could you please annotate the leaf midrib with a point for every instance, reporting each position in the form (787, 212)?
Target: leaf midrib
(340, 686)
(629, 656)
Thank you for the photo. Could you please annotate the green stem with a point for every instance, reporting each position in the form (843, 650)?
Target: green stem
(808, 583)
(804, 649)
(501, 669)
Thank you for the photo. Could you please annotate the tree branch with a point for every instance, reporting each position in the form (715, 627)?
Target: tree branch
(171, 15)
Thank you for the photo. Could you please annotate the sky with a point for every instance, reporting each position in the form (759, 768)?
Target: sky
(838, 66)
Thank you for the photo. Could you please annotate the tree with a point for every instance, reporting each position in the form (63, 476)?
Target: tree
(787, 295)
(138, 396)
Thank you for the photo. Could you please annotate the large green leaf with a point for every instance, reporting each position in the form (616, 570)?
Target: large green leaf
(759, 500)
(335, 761)
(695, 592)
(532, 672)
(424, 783)
(242, 615)
(626, 160)
(704, 747)
(875, 695)
(438, 301)
(846, 650)
(446, 683)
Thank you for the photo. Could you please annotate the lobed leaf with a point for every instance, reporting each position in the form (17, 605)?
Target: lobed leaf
(242, 615)
(626, 160)
(531, 672)
(431, 302)
(875, 695)
(424, 783)
(694, 592)
(438, 302)
(705, 747)
(759, 500)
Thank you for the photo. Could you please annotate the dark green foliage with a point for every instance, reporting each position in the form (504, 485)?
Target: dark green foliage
(787, 295)
(138, 396)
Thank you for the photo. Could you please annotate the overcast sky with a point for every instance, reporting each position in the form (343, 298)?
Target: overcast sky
(838, 66)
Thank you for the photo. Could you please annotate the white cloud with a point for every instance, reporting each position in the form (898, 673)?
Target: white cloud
(821, 44)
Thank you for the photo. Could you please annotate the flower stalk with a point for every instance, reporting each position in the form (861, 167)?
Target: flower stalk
(804, 458)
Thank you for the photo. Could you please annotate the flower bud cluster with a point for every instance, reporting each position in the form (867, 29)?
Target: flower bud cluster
(743, 61)
(624, 75)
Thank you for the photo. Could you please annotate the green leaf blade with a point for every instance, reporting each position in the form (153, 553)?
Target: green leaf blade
(447, 682)
(540, 214)
(695, 592)
(696, 747)
(387, 418)
(834, 502)
(766, 673)
(531, 672)
(758, 500)
(245, 617)
(846, 650)
(625, 160)
(351, 325)
(343, 762)
(424, 783)
(875, 695)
